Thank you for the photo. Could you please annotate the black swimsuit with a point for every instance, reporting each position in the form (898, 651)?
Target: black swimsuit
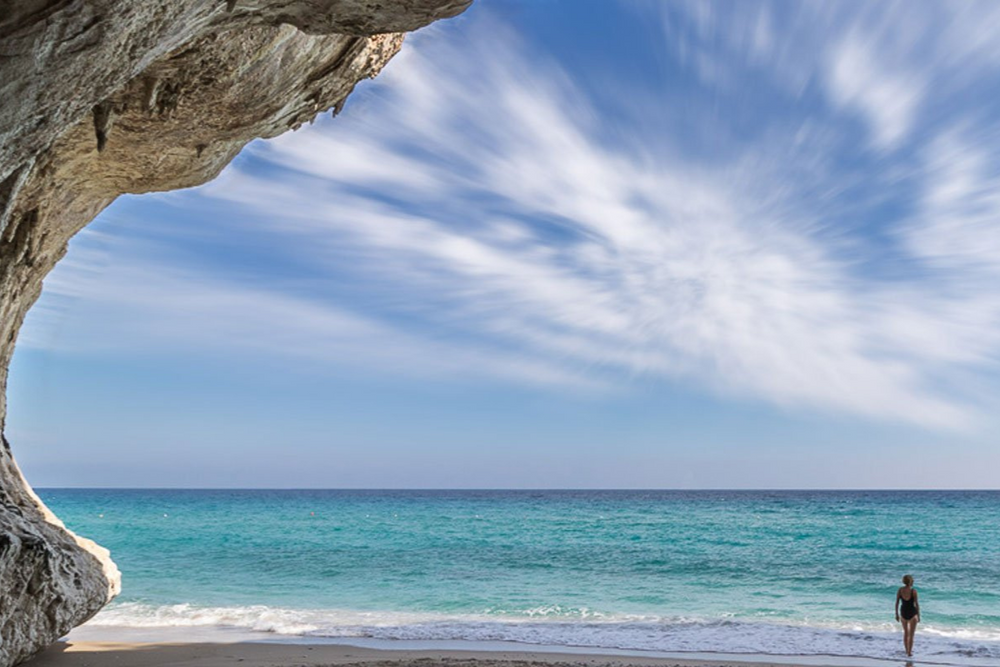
(908, 609)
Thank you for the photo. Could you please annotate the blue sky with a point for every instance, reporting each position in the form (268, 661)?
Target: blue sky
(561, 244)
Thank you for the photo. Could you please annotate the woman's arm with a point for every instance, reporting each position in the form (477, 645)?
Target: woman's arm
(916, 604)
(897, 605)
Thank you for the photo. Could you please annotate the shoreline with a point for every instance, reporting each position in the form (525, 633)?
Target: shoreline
(272, 653)
(193, 647)
(488, 651)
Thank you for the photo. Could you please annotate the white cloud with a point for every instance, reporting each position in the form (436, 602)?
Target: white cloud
(883, 62)
(475, 189)
(153, 305)
(959, 225)
(642, 266)
(859, 78)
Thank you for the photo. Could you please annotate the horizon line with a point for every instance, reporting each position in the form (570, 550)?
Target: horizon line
(507, 489)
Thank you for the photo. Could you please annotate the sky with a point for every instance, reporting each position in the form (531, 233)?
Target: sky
(562, 244)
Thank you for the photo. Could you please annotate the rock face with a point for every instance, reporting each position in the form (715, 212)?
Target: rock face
(104, 97)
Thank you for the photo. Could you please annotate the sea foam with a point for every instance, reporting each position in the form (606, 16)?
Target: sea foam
(551, 627)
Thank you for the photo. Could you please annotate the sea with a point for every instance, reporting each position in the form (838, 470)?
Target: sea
(762, 573)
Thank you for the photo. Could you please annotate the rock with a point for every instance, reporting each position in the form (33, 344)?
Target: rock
(52, 579)
(106, 97)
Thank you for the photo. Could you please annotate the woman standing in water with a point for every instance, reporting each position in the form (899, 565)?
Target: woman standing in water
(908, 611)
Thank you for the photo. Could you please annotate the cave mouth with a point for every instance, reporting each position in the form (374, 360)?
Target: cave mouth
(101, 100)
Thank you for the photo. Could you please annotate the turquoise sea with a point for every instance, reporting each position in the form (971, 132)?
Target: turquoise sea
(784, 572)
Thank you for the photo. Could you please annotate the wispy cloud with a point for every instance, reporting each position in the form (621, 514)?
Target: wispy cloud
(506, 201)
(958, 229)
(476, 190)
(888, 100)
(151, 305)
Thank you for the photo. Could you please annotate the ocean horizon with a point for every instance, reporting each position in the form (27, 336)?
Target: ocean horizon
(526, 489)
(751, 572)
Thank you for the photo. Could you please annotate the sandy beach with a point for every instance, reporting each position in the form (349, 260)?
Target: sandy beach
(254, 654)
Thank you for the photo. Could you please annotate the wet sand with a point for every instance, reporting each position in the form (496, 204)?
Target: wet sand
(259, 654)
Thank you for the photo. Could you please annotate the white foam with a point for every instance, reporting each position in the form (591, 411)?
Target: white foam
(566, 628)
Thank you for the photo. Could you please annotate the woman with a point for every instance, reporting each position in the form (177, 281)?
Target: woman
(908, 611)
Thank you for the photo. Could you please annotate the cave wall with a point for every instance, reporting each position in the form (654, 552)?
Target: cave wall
(100, 98)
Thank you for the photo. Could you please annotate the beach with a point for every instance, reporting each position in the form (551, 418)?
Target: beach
(258, 654)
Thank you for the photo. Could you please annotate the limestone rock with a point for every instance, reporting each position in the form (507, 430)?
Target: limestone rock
(106, 97)
(52, 579)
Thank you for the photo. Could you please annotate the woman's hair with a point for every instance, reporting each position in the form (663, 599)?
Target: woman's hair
(908, 579)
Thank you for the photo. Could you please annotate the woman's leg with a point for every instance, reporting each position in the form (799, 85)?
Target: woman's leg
(911, 626)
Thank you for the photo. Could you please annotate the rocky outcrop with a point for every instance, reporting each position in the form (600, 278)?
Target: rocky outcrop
(104, 97)
(52, 579)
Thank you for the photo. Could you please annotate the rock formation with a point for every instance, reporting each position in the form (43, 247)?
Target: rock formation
(104, 97)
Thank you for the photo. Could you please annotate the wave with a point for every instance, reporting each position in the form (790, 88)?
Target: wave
(571, 627)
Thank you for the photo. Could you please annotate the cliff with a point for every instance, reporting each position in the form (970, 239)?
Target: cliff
(107, 97)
